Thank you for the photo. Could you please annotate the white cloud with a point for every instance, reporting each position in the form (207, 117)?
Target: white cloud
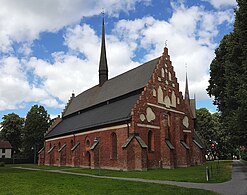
(22, 21)
(222, 3)
(190, 40)
(15, 87)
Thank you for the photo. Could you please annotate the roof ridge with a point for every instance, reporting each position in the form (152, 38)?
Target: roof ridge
(121, 74)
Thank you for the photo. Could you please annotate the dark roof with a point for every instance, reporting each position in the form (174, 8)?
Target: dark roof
(197, 140)
(169, 144)
(125, 83)
(184, 145)
(114, 111)
(5, 144)
(107, 104)
(137, 137)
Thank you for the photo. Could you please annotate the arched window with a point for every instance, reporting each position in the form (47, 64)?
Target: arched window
(71, 143)
(114, 145)
(186, 138)
(87, 143)
(150, 141)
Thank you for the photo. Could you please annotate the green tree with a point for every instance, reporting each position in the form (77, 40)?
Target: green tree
(204, 125)
(36, 124)
(12, 126)
(211, 130)
(228, 79)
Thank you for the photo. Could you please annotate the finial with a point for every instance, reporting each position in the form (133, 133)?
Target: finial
(103, 12)
(186, 66)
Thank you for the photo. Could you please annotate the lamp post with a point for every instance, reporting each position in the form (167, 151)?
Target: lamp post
(34, 153)
(14, 157)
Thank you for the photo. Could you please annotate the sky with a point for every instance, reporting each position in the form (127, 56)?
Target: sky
(51, 49)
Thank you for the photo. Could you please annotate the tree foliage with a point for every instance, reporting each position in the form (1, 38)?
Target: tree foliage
(36, 124)
(12, 126)
(204, 124)
(228, 78)
(211, 130)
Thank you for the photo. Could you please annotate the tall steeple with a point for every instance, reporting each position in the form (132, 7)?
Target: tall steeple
(186, 94)
(103, 68)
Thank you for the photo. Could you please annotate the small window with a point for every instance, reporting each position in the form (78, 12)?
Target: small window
(114, 145)
(168, 133)
(150, 141)
(3, 150)
(87, 143)
(59, 145)
(71, 143)
(186, 138)
(3, 156)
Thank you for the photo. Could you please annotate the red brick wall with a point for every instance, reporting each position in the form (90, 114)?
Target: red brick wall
(79, 156)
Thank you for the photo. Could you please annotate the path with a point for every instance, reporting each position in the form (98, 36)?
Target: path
(236, 186)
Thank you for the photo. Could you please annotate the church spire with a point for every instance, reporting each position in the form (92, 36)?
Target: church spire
(103, 69)
(186, 94)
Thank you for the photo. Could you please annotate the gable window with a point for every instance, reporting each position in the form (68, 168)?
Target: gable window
(3, 150)
(150, 141)
(114, 145)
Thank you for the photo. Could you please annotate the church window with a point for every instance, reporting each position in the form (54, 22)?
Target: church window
(114, 145)
(71, 143)
(87, 143)
(186, 138)
(150, 141)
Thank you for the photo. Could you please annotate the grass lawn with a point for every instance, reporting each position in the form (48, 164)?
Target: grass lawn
(243, 161)
(16, 181)
(219, 172)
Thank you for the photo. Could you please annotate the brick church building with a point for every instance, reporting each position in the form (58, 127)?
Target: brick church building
(135, 121)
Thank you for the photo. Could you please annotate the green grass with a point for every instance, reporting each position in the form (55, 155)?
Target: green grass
(243, 161)
(16, 181)
(219, 172)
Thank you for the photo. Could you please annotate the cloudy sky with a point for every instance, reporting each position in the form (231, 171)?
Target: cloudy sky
(51, 48)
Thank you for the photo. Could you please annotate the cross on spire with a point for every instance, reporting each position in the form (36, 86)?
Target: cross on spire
(166, 43)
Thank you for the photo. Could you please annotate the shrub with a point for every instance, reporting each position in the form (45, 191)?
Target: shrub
(2, 164)
(244, 154)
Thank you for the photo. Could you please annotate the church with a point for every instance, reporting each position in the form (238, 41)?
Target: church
(138, 120)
